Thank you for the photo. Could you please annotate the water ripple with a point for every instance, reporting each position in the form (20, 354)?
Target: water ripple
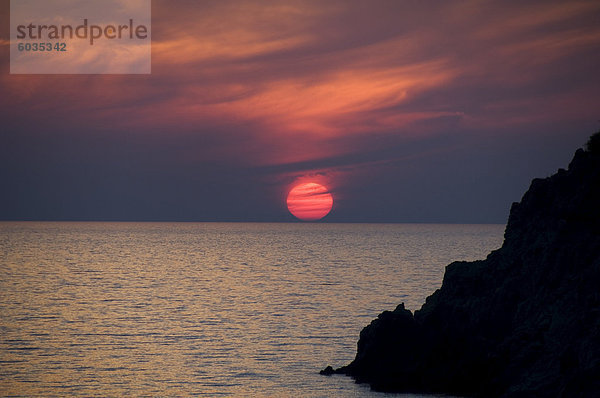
(143, 309)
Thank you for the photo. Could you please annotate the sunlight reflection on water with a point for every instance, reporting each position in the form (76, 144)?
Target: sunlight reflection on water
(178, 309)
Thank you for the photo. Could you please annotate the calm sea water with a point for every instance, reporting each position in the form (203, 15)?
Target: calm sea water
(180, 309)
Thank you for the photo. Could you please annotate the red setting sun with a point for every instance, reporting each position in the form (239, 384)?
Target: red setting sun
(309, 201)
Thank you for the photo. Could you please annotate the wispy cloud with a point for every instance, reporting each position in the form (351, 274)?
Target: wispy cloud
(292, 80)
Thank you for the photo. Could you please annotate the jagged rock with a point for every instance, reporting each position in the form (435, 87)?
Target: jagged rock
(525, 322)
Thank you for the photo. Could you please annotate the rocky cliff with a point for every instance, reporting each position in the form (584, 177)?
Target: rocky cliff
(525, 322)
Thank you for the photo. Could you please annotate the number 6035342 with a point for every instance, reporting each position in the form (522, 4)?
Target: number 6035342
(42, 46)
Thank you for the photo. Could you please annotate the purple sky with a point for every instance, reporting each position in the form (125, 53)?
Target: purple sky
(408, 111)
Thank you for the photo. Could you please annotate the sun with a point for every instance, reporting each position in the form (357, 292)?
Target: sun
(309, 201)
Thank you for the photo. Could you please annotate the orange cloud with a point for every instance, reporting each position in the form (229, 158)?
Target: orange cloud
(306, 80)
(315, 107)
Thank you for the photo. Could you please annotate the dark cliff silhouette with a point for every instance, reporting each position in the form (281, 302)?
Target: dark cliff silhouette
(525, 322)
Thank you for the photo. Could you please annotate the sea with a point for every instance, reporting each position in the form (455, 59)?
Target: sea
(208, 309)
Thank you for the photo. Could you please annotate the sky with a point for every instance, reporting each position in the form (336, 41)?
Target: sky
(407, 111)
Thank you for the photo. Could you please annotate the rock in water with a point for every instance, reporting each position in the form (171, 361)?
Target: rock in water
(525, 322)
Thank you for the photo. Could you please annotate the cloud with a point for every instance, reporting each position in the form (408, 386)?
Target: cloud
(329, 89)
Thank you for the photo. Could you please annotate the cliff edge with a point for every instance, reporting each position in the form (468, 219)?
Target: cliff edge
(524, 322)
